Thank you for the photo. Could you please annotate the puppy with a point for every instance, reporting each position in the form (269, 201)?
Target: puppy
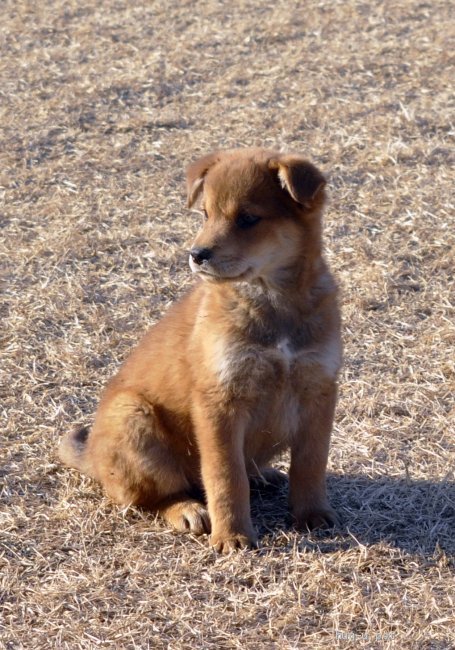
(243, 367)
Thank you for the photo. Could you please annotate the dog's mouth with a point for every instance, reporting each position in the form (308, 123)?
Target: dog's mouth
(246, 275)
(208, 272)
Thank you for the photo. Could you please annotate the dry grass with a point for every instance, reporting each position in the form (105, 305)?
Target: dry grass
(101, 106)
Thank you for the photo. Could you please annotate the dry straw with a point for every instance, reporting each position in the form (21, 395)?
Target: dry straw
(101, 106)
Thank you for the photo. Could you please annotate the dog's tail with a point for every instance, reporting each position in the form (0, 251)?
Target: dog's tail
(72, 449)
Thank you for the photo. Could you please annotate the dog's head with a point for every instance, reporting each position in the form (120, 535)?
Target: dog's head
(261, 214)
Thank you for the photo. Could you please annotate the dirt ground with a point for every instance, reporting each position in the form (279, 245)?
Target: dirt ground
(102, 104)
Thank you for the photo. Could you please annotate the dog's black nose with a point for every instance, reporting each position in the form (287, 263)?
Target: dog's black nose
(199, 255)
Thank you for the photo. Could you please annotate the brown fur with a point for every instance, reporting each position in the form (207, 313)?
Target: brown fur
(244, 366)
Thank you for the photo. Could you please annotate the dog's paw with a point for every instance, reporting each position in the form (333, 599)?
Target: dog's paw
(317, 518)
(188, 516)
(232, 542)
(269, 477)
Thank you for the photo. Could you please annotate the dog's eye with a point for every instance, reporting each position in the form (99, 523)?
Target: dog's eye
(246, 220)
(206, 216)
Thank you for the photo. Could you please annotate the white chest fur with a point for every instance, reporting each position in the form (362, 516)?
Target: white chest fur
(284, 347)
(326, 355)
(274, 378)
(230, 361)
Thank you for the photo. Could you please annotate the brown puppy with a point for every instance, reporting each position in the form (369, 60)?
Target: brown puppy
(244, 366)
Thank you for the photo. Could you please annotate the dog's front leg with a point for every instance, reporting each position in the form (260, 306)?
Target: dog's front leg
(220, 437)
(309, 453)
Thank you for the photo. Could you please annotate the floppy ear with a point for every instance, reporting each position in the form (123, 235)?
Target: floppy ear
(300, 178)
(195, 173)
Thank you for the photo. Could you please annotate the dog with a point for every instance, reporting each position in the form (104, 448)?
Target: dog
(240, 369)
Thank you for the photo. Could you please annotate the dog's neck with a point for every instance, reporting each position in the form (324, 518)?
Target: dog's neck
(267, 310)
(290, 289)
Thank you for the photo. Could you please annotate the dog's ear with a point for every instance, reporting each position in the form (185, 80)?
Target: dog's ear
(195, 173)
(300, 178)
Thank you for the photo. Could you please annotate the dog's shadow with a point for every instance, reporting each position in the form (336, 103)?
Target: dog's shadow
(413, 516)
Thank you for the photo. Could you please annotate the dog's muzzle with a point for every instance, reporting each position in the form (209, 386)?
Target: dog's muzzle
(200, 255)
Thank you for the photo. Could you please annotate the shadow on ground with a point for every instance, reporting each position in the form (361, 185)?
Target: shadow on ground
(414, 516)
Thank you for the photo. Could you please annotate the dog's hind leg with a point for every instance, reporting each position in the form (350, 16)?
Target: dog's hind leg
(185, 514)
(131, 454)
